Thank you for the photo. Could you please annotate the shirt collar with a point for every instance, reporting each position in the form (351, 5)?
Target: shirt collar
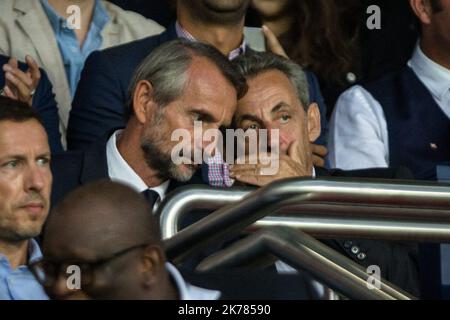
(99, 19)
(34, 253)
(188, 291)
(435, 77)
(120, 171)
(56, 21)
(184, 34)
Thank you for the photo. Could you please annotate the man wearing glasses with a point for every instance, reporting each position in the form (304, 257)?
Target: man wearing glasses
(104, 231)
(25, 184)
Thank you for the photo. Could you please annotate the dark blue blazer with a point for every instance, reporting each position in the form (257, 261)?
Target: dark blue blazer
(72, 169)
(98, 105)
(44, 103)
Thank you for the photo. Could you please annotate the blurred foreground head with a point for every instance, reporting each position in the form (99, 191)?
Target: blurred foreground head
(104, 232)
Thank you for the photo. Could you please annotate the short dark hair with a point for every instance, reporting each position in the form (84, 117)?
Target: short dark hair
(165, 68)
(17, 111)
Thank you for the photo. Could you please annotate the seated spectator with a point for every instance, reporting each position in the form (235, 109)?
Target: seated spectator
(25, 184)
(403, 118)
(331, 38)
(277, 99)
(29, 84)
(46, 29)
(174, 87)
(159, 11)
(103, 89)
(128, 260)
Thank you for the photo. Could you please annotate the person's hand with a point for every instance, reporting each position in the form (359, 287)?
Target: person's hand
(293, 165)
(272, 43)
(21, 85)
(319, 153)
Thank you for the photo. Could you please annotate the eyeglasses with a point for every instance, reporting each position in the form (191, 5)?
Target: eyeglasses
(47, 271)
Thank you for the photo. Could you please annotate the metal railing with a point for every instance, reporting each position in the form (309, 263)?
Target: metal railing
(383, 209)
(304, 253)
(323, 207)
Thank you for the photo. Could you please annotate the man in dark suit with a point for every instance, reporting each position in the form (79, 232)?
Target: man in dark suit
(128, 259)
(277, 101)
(103, 88)
(174, 88)
(28, 83)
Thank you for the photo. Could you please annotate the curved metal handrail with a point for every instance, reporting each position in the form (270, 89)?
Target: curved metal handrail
(304, 253)
(253, 206)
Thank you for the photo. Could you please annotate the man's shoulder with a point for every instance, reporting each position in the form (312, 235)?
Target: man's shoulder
(135, 50)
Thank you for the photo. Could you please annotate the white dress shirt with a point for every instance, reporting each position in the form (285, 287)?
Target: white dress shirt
(188, 291)
(120, 171)
(358, 130)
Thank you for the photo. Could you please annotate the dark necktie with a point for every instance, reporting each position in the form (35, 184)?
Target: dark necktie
(151, 196)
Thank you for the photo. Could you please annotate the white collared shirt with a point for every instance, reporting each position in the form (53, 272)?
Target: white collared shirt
(358, 130)
(188, 291)
(120, 171)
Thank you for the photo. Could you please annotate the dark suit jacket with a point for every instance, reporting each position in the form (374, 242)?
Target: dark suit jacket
(102, 92)
(398, 261)
(72, 169)
(254, 285)
(44, 103)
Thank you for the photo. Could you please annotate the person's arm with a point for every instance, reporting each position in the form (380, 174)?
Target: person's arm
(29, 84)
(99, 102)
(358, 132)
(44, 102)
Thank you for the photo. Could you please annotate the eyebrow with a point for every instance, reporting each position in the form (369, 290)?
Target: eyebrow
(23, 158)
(205, 114)
(250, 117)
(280, 106)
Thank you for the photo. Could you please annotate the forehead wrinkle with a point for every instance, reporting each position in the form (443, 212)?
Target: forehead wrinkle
(206, 80)
(266, 90)
(15, 139)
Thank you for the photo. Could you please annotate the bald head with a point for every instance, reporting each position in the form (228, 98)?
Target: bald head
(99, 218)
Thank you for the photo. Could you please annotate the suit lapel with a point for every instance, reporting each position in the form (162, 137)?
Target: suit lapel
(95, 164)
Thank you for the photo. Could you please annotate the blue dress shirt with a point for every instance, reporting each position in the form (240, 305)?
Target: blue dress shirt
(72, 55)
(20, 284)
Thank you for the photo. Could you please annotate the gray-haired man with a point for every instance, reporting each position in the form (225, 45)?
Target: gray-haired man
(174, 87)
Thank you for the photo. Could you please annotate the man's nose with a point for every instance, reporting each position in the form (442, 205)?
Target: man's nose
(34, 179)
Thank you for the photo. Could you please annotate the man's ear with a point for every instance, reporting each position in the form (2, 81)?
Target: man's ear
(143, 104)
(313, 117)
(152, 262)
(422, 9)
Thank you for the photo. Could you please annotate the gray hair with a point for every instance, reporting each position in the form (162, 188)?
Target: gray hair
(166, 69)
(255, 63)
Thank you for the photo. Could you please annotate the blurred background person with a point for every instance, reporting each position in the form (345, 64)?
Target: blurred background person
(330, 37)
(161, 11)
(41, 28)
